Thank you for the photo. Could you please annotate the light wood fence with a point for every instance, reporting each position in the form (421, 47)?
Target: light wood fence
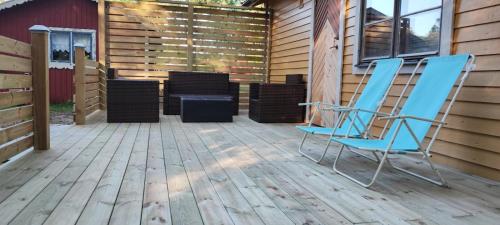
(145, 40)
(90, 87)
(19, 104)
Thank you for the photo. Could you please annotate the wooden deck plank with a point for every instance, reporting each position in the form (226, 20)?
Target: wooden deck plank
(375, 203)
(156, 206)
(292, 208)
(221, 173)
(448, 212)
(183, 208)
(100, 206)
(11, 206)
(232, 159)
(424, 201)
(70, 208)
(15, 174)
(346, 206)
(487, 196)
(211, 207)
(257, 172)
(238, 207)
(321, 210)
(128, 206)
(40, 208)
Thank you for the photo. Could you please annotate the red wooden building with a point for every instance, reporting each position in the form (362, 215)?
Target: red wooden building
(70, 22)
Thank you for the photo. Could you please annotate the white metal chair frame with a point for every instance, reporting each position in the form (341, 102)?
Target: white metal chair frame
(422, 150)
(344, 112)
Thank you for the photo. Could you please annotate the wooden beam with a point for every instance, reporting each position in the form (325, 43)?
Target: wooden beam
(40, 72)
(79, 85)
(269, 43)
(101, 31)
(311, 63)
(190, 38)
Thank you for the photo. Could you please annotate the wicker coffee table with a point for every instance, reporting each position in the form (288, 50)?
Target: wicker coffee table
(206, 108)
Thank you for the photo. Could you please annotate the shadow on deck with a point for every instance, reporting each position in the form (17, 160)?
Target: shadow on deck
(220, 173)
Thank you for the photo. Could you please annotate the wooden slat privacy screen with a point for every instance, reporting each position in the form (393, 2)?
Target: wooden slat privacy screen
(89, 87)
(16, 109)
(147, 39)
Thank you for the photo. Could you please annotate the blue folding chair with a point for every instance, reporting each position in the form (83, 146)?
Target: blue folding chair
(409, 128)
(355, 121)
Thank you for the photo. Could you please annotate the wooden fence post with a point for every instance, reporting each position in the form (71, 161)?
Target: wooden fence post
(190, 38)
(269, 44)
(103, 65)
(79, 85)
(40, 73)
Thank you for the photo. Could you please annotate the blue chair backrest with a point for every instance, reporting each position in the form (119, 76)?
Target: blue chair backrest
(373, 93)
(427, 98)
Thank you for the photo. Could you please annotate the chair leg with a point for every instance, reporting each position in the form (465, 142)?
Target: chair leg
(441, 182)
(373, 179)
(310, 157)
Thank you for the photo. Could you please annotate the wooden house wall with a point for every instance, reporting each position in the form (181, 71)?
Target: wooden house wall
(291, 32)
(470, 142)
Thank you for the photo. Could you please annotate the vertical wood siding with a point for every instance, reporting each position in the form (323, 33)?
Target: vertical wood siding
(81, 14)
(291, 30)
(470, 142)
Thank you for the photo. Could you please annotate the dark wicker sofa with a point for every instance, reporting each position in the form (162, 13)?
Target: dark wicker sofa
(197, 83)
(276, 103)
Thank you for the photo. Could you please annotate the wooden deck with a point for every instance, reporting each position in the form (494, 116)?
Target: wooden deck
(219, 173)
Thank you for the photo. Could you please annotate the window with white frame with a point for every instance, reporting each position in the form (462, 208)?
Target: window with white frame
(62, 45)
(399, 28)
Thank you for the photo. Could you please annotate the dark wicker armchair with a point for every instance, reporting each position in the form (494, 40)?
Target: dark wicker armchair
(197, 83)
(276, 103)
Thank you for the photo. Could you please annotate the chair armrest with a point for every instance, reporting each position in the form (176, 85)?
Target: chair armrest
(411, 117)
(234, 90)
(379, 114)
(310, 103)
(166, 87)
(254, 90)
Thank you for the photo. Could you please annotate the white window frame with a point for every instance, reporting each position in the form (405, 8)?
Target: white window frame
(70, 64)
(445, 46)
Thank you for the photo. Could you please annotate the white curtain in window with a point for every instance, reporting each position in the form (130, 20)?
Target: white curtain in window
(84, 39)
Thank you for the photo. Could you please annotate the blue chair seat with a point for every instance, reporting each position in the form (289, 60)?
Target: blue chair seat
(341, 131)
(376, 145)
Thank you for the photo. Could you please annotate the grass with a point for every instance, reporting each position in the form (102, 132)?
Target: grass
(62, 107)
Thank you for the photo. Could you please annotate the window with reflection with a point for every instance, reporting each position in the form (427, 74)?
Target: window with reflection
(400, 28)
(84, 39)
(62, 45)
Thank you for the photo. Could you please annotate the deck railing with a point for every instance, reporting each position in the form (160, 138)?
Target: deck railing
(24, 95)
(90, 87)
